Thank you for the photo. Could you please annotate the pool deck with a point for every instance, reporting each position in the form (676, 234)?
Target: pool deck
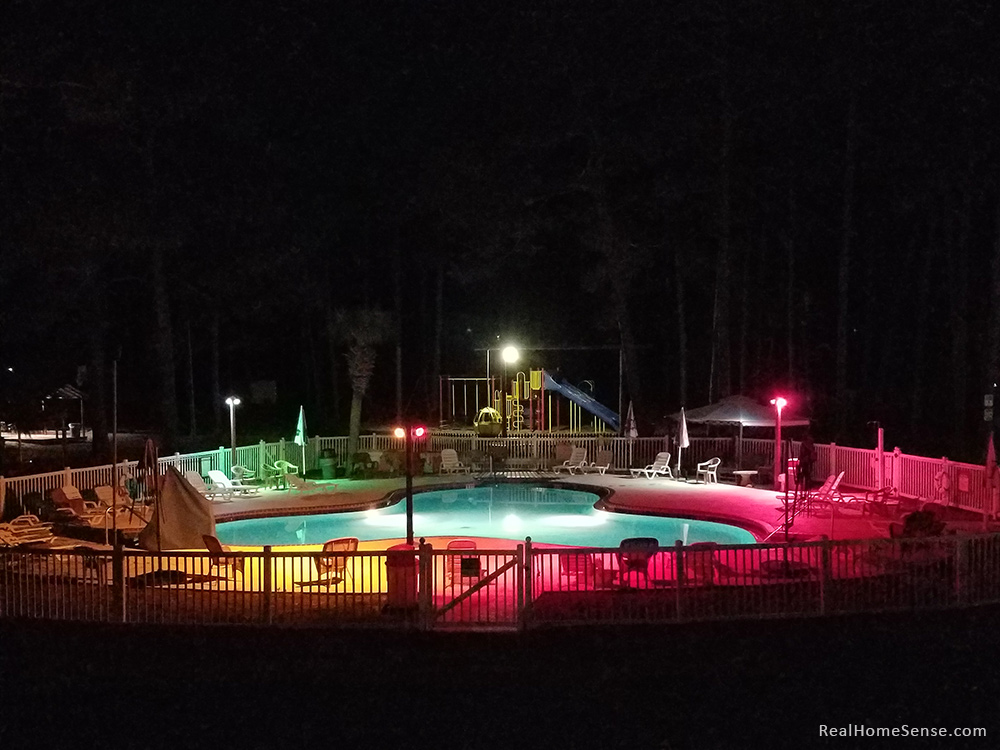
(758, 510)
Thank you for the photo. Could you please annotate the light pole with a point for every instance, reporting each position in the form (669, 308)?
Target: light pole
(510, 355)
(233, 402)
(409, 435)
(779, 403)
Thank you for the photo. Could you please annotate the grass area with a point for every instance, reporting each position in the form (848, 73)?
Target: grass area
(721, 685)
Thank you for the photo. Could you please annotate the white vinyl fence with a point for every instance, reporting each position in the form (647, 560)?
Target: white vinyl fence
(939, 480)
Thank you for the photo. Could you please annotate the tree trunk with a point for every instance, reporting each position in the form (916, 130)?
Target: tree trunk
(844, 265)
(397, 295)
(354, 430)
(215, 362)
(682, 363)
(790, 328)
(189, 376)
(432, 382)
(721, 354)
(332, 337)
(98, 375)
(920, 331)
(959, 314)
(164, 347)
(993, 333)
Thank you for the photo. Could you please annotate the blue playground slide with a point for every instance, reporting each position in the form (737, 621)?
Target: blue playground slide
(583, 400)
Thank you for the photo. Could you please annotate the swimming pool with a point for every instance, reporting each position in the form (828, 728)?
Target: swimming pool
(501, 511)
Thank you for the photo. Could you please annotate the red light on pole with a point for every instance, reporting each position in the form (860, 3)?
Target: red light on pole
(779, 403)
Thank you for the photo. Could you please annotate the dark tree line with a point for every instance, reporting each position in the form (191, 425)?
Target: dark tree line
(350, 202)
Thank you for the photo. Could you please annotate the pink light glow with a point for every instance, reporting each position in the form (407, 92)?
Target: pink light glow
(780, 402)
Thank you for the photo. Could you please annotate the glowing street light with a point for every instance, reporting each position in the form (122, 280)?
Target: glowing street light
(410, 435)
(233, 402)
(510, 355)
(779, 403)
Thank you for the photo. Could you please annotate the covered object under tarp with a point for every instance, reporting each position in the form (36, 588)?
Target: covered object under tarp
(740, 412)
(182, 515)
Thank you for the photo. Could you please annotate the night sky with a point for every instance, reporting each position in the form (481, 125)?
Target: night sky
(744, 196)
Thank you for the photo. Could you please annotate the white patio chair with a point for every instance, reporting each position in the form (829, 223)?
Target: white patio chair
(708, 471)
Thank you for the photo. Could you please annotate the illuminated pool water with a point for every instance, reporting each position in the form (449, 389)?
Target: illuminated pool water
(502, 511)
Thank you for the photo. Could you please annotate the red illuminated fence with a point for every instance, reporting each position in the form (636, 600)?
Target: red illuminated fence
(507, 589)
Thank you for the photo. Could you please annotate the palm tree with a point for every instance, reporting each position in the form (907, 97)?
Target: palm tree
(363, 330)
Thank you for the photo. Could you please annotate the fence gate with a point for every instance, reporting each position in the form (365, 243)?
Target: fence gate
(476, 588)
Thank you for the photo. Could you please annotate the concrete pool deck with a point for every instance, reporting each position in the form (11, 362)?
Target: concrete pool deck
(755, 509)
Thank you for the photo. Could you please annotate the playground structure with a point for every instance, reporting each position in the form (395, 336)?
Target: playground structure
(534, 402)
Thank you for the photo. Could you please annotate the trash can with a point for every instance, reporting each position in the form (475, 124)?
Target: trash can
(793, 473)
(328, 464)
(401, 576)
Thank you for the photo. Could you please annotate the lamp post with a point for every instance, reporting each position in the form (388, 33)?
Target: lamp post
(510, 355)
(233, 402)
(408, 433)
(778, 403)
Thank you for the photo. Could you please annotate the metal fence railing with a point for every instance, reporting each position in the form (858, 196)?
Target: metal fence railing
(511, 588)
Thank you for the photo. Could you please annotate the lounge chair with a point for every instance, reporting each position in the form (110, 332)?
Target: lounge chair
(450, 463)
(837, 495)
(708, 471)
(659, 468)
(828, 492)
(634, 556)
(462, 566)
(210, 491)
(585, 570)
(219, 556)
(577, 461)
(332, 563)
(602, 464)
(221, 480)
(26, 529)
(298, 484)
(700, 565)
(880, 501)
(68, 500)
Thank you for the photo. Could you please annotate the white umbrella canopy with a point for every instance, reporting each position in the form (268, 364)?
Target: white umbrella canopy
(740, 410)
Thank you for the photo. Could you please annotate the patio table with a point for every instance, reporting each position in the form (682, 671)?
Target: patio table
(744, 477)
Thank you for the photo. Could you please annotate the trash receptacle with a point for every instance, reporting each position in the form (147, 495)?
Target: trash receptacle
(401, 576)
(328, 465)
(793, 473)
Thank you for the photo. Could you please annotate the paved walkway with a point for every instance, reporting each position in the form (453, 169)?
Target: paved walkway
(757, 510)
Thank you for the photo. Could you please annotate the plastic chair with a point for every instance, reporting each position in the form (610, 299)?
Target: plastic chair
(709, 470)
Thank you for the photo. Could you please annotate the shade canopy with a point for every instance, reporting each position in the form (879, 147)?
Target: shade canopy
(740, 410)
